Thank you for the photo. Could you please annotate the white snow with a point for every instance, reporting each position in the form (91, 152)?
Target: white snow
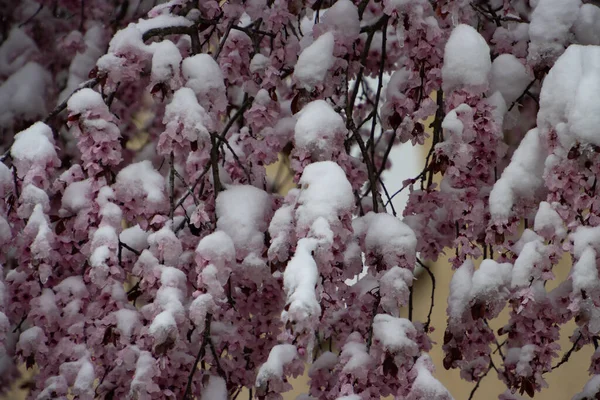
(30, 197)
(326, 361)
(72, 286)
(23, 94)
(389, 237)
(509, 77)
(163, 327)
(203, 74)
(395, 335)
(460, 290)
(215, 389)
(354, 355)
(587, 26)
(318, 130)
(217, 248)
(547, 219)
(522, 178)
(342, 19)
(166, 61)
(200, 307)
(258, 63)
(591, 389)
(491, 283)
(141, 182)
(452, 124)
(127, 320)
(84, 62)
(243, 213)
(135, 237)
(394, 287)
(314, 62)
(425, 386)
(549, 28)
(33, 146)
(567, 100)
(183, 114)
(585, 273)
(300, 279)
(583, 237)
(325, 193)
(279, 356)
(77, 196)
(531, 256)
(467, 59)
(84, 382)
(15, 51)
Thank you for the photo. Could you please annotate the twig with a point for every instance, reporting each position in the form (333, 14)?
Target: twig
(518, 99)
(375, 308)
(223, 40)
(234, 154)
(172, 185)
(214, 161)
(85, 85)
(189, 189)
(206, 338)
(566, 356)
(480, 379)
(379, 86)
(432, 276)
(32, 16)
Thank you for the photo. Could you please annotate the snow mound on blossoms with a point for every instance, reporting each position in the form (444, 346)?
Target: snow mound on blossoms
(568, 100)
(467, 59)
(142, 182)
(279, 356)
(521, 179)
(325, 193)
(33, 146)
(300, 279)
(314, 62)
(509, 77)
(590, 390)
(587, 26)
(22, 94)
(549, 29)
(319, 130)
(215, 389)
(243, 214)
(425, 385)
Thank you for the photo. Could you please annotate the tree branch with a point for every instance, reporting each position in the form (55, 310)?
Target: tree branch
(187, 395)
(432, 277)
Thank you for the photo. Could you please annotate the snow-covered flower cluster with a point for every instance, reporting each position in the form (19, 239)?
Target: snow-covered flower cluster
(147, 254)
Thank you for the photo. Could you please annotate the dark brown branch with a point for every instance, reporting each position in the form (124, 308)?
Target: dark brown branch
(85, 85)
(432, 277)
(223, 40)
(567, 355)
(188, 188)
(172, 185)
(234, 154)
(168, 30)
(214, 161)
(375, 308)
(187, 395)
(480, 379)
(514, 103)
(28, 20)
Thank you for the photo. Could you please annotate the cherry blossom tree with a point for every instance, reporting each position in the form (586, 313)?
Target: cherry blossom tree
(146, 254)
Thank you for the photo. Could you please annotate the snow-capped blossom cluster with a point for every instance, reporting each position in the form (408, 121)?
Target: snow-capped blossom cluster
(147, 254)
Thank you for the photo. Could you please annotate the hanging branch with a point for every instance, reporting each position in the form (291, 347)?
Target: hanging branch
(567, 355)
(478, 383)
(432, 277)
